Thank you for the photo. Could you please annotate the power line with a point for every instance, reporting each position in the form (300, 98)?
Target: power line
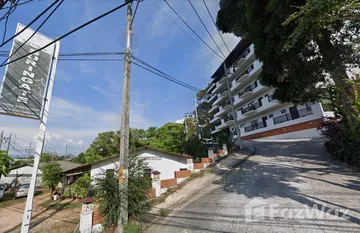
(163, 75)
(72, 31)
(37, 29)
(33, 21)
(192, 30)
(88, 59)
(183, 30)
(23, 3)
(212, 19)
(202, 22)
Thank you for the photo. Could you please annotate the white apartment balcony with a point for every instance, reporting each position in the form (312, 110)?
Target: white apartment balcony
(215, 131)
(214, 119)
(247, 91)
(212, 87)
(212, 98)
(219, 87)
(229, 121)
(213, 108)
(249, 74)
(225, 93)
(246, 58)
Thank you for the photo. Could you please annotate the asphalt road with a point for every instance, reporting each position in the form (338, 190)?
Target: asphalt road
(288, 186)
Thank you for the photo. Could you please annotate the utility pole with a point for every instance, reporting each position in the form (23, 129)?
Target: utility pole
(197, 118)
(66, 148)
(1, 138)
(29, 152)
(124, 129)
(232, 106)
(9, 144)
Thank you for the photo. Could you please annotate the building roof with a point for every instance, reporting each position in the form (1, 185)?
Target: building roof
(231, 59)
(88, 166)
(65, 165)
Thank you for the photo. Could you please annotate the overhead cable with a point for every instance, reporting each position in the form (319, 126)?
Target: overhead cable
(72, 31)
(192, 30)
(212, 19)
(33, 34)
(202, 22)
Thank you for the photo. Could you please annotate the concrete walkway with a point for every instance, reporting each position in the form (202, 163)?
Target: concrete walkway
(288, 186)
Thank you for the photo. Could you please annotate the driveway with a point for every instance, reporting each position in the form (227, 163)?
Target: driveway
(288, 186)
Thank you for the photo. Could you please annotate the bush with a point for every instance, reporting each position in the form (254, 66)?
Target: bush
(81, 186)
(344, 143)
(195, 148)
(109, 194)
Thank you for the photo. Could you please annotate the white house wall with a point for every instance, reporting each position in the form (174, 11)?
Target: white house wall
(23, 174)
(164, 163)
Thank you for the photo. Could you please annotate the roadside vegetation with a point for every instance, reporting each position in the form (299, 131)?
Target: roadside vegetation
(310, 52)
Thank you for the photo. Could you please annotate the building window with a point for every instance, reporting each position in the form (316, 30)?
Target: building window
(183, 169)
(233, 99)
(271, 115)
(283, 111)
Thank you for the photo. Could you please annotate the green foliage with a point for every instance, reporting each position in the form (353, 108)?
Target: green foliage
(195, 148)
(5, 162)
(163, 212)
(51, 174)
(169, 137)
(80, 158)
(81, 186)
(344, 143)
(46, 158)
(105, 144)
(301, 52)
(132, 228)
(109, 194)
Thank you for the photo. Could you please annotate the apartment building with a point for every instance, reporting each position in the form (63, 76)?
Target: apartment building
(238, 93)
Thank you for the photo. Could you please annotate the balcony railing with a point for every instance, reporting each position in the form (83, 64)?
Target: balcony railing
(305, 112)
(254, 127)
(247, 71)
(251, 107)
(228, 118)
(270, 98)
(281, 119)
(248, 88)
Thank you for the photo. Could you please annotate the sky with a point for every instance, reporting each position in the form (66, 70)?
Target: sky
(86, 97)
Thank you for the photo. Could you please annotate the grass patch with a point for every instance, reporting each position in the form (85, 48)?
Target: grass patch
(8, 199)
(58, 205)
(132, 228)
(163, 212)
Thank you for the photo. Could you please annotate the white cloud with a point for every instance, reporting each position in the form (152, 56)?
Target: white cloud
(180, 121)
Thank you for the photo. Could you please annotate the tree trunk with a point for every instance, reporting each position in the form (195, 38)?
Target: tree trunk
(336, 67)
(51, 192)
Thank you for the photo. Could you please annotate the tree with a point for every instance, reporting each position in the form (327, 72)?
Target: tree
(80, 158)
(195, 148)
(46, 158)
(105, 144)
(81, 186)
(108, 194)
(169, 137)
(296, 54)
(5, 163)
(51, 175)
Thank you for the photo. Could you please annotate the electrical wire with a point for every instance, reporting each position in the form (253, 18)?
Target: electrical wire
(212, 19)
(184, 30)
(162, 74)
(33, 21)
(72, 31)
(192, 30)
(202, 22)
(37, 29)
(23, 3)
(133, 17)
(88, 59)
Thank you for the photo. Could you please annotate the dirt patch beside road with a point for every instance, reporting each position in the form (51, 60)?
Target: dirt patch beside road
(47, 217)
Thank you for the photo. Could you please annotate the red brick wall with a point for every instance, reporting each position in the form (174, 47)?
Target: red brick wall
(97, 218)
(287, 129)
(168, 183)
(198, 165)
(206, 160)
(151, 194)
(182, 174)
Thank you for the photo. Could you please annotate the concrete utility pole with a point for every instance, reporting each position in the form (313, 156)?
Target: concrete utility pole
(197, 119)
(1, 138)
(9, 144)
(124, 130)
(232, 106)
(186, 131)
(29, 152)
